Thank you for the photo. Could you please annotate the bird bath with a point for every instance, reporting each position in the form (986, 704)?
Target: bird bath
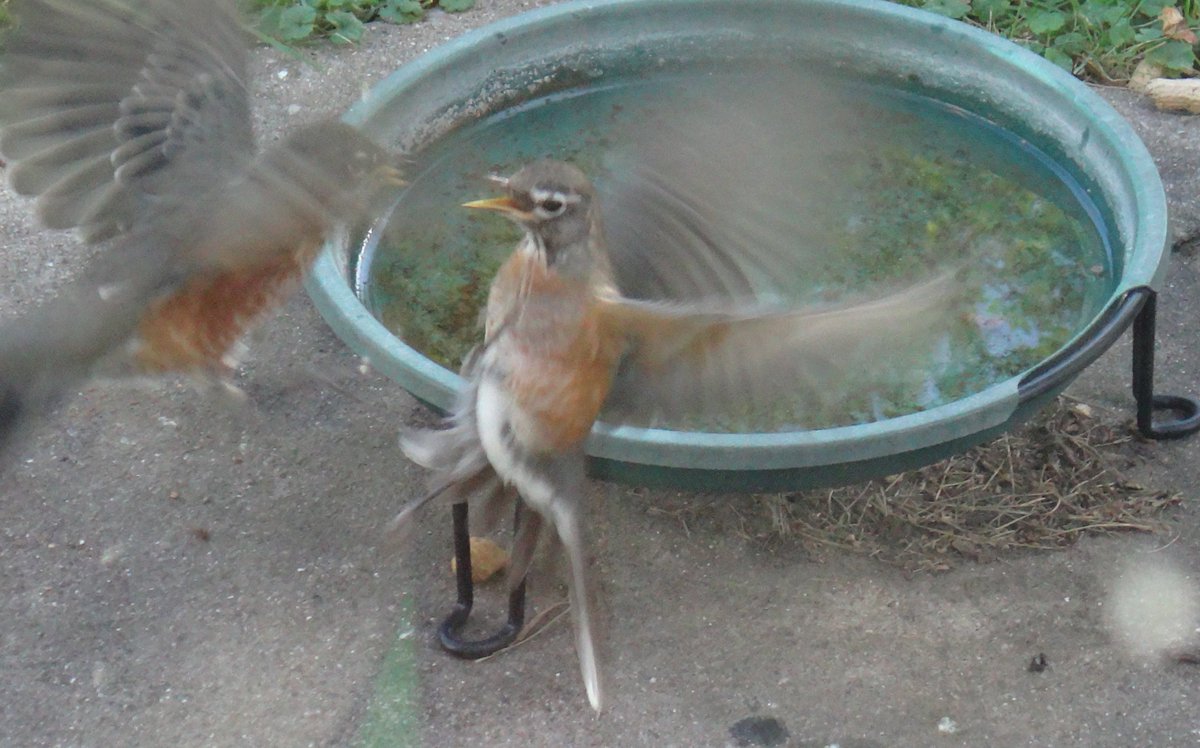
(1008, 106)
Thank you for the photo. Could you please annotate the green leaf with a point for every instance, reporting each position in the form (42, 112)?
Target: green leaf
(1149, 34)
(1070, 43)
(1092, 12)
(347, 29)
(402, 11)
(1060, 58)
(991, 10)
(1120, 33)
(948, 8)
(1151, 8)
(296, 22)
(1173, 55)
(1102, 13)
(1117, 14)
(1046, 21)
(458, 6)
(268, 22)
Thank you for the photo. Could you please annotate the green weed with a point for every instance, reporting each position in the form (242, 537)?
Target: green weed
(1101, 40)
(340, 21)
(6, 21)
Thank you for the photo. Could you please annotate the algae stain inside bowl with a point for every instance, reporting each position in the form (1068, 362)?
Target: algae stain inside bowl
(901, 143)
(913, 186)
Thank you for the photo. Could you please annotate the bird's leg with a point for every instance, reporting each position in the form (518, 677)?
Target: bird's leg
(492, 503)
(525, 540)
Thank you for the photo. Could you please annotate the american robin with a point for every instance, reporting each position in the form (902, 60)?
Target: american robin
(560, 341)
(130, 121)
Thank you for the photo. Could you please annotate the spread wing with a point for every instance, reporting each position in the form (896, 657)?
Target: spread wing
(716, 360)
(109, 107)
(129, 119)
(724, 214)
(715, 198)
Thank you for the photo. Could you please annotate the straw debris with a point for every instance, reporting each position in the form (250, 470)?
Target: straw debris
(1040, 487)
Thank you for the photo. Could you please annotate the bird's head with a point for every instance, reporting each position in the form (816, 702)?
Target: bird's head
(555, 203)
(334, 166)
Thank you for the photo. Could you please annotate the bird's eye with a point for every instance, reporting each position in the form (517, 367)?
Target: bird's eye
(552, 206)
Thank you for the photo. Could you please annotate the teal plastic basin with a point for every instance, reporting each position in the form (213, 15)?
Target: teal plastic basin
(504, 64)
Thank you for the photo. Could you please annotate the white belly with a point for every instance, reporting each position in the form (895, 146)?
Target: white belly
(494, 414)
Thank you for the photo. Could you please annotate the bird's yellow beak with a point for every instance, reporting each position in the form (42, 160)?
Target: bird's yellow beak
(498, 204)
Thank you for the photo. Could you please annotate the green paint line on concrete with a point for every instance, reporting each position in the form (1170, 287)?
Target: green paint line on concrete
(392, 716)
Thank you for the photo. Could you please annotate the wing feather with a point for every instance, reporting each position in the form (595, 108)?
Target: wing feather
(146, 95)
(715, 358)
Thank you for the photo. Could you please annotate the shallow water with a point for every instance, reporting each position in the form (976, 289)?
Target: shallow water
(893, 184)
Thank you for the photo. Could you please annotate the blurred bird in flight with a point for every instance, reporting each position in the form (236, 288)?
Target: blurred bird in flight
(130, 122)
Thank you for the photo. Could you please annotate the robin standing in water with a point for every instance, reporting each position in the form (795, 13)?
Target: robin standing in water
(560, 341)
(130, 121)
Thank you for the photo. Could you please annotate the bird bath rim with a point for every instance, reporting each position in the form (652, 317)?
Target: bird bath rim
(957, 63)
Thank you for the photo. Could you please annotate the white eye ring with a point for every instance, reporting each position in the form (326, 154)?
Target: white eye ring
(550, 203)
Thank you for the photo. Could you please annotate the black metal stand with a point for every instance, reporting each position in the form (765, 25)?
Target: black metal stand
(448, 632)
(1187, 420)
(1138, 307)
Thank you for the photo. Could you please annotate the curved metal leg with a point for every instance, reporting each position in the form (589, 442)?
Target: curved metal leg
(1187, 420)
(448, 632)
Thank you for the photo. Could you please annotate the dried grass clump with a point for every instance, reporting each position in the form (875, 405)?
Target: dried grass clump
(1042, 486)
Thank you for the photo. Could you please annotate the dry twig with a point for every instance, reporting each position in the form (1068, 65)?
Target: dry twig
(1042, 486)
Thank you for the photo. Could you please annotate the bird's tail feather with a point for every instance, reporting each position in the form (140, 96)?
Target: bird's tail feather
(63, 340)
(36, 375)
(456, 458)
(580, 596)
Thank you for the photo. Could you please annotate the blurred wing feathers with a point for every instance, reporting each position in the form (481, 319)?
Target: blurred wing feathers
(104, 103)
(688, 358)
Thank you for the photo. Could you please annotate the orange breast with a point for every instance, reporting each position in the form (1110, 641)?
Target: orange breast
(195, 327)
(562, 395)
(559, 356)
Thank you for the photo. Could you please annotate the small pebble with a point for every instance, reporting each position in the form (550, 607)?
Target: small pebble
(112, 554)
(759, 731)
(947, 726)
